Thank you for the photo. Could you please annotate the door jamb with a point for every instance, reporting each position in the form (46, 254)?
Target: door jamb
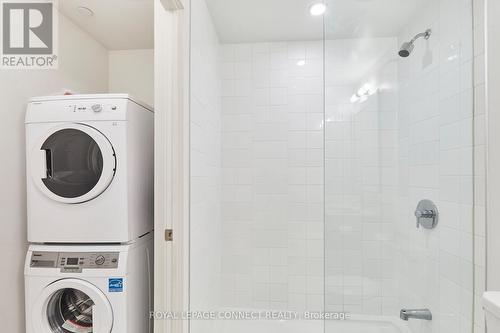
(171, 179)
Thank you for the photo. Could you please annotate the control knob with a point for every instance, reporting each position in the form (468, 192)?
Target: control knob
(100, 260)
(97, 107)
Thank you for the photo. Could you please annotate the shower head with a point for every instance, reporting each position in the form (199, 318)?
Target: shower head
(408, 47)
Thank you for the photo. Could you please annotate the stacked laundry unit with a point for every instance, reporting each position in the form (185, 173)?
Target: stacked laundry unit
(89, 268)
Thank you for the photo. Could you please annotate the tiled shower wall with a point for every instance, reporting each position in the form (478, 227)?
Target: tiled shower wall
(436, 98)
(422, 122)
(272, 171)
(273, 187)
(382, 156)
(205, 138)
(361, 176)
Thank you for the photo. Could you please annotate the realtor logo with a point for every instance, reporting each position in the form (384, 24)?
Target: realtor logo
(28, 34)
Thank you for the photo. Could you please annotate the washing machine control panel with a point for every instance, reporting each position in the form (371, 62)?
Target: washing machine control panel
(74, 261)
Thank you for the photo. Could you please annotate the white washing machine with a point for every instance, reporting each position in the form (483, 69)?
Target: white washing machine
(90, 288)
(89, 169)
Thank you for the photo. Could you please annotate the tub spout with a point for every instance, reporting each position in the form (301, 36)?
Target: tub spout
(424, 314)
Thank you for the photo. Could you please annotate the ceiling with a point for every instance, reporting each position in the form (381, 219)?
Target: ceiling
(242, 21)
(117, 24)
(129, 24)
(369, 18)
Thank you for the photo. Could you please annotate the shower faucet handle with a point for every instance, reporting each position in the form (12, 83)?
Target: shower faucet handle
(427, 214)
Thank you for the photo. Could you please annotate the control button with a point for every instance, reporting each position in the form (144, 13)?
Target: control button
(100, 260)
(113, 108)
(97, 107)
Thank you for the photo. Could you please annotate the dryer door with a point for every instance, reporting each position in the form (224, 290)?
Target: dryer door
(73, 163)
(72, 306)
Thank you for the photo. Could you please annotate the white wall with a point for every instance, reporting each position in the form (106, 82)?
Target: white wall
(205, 182)
(132, 72)
(83, 67)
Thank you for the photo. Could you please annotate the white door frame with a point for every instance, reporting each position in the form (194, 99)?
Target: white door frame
(171, 289)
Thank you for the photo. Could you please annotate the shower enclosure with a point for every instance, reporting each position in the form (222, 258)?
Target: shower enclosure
(313, 140)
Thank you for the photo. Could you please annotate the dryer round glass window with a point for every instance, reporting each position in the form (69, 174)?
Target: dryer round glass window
(74, 163)
(70, 311)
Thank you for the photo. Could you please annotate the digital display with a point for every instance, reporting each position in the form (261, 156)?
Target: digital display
(72, 261)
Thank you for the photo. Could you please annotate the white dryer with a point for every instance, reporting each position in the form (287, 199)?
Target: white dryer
(90, 288)
(89, 169)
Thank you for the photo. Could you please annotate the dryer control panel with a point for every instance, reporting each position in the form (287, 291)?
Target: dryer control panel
(75, 261)
(91, 107)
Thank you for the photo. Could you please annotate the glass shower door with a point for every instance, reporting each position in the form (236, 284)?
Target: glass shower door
(398, 130)
(310, 150)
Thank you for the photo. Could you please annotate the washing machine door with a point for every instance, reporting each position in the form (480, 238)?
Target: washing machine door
(72, 306)
(73, 163)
